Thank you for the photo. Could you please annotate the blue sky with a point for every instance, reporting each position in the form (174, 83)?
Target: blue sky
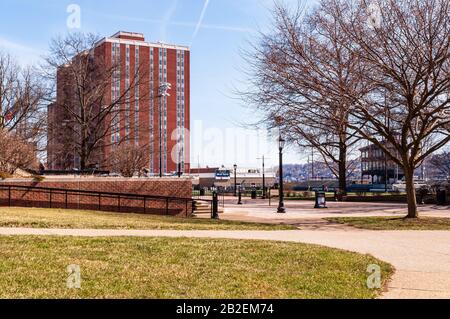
(216, 30)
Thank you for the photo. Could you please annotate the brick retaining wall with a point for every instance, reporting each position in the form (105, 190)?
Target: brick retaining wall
(176, 188)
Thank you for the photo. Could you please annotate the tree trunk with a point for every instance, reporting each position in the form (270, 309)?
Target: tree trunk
(83, 156)
(343, 166)
(84, 147)
(82, 163)
(411, 194)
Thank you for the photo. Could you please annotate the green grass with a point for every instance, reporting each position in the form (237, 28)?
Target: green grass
(36, 267)
(395, 223)
(58, 218)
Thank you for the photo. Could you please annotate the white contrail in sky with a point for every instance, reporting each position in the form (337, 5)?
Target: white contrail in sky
(167, 19)
(200, 21)
(175, 23)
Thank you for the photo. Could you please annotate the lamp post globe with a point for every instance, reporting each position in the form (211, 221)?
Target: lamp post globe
(281, 143)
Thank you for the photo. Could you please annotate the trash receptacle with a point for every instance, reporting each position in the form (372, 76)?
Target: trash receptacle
(321, 200)
(254, 196)
(441, 197)
(202, 192)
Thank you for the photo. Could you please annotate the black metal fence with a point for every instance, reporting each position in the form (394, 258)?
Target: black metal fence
(41, 197)
(207, 196)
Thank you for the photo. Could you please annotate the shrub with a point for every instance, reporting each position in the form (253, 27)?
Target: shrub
(15, 153)
(4, 175)
(38, 178)
(128, 159)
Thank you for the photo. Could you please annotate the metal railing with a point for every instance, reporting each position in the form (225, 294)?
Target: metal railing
(42, 197)
(209, 197)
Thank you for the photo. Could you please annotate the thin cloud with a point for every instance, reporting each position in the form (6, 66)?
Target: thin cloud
(200, 20)
(25, 54)
(226, 28)
(176, 23)
(127, 18)
(167, 19)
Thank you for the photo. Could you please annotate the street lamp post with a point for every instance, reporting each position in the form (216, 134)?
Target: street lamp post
(235, 180)
(179, 173)
(281, 144)
(240, 196)
(180, 166)
(160, 135)
(163, 92)
(264, 179)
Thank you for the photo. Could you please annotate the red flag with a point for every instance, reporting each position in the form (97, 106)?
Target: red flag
(278, 120)
(9, 116)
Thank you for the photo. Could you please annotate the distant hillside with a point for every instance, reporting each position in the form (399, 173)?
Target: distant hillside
(303, 172)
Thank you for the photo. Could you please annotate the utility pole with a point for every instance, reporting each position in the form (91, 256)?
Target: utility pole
(312, 164)
(387, 123)
(386, 176)
(235, 179)
(264, 196)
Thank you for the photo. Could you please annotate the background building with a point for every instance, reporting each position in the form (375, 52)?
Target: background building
(166, 64)
(223, 177)
(377, 166)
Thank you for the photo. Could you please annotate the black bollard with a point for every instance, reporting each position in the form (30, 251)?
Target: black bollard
(215, 206)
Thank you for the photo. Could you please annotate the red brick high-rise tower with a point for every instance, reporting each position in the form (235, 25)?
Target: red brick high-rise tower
(165, 116)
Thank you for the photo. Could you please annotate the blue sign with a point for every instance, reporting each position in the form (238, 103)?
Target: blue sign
(223, 174)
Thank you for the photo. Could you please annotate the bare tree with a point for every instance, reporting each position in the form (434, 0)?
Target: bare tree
(15, 153)
(441, 162)
(403, 51)
(128, 159)
(299, 73)
(83, 79)
(22, 101)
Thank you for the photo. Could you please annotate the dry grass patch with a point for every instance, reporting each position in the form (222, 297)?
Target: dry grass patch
(78, 219)
(35, 267)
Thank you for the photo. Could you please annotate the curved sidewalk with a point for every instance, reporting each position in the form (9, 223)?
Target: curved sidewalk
(421, 258)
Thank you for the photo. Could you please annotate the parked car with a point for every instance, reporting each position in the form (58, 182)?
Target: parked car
(400, 186)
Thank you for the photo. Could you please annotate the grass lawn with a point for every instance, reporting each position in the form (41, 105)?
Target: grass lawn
(36, 267)
(58, 218)
(395, 223)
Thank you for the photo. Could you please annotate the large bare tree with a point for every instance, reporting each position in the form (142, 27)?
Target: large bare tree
(22, 101)
(299, 73)
(376, 70)
(441, 162)
(404, 56)
(83, 79)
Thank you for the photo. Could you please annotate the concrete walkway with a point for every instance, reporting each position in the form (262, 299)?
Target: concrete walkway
(300, 211)
(421, 258)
